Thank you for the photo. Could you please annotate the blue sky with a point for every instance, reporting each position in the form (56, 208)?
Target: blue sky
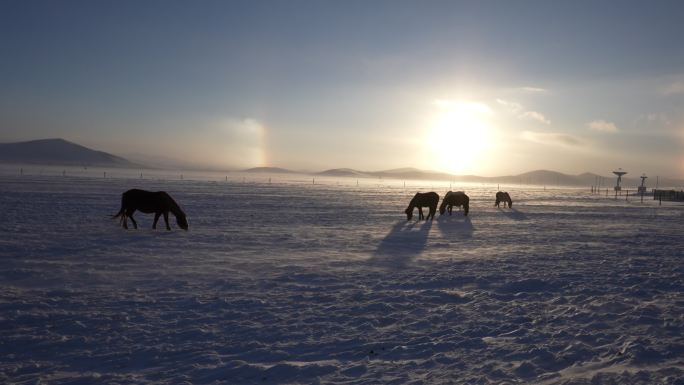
(482, 87)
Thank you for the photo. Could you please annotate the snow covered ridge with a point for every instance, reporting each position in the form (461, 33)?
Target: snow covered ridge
(319, 283)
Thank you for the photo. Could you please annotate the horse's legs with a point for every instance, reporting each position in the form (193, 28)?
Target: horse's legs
(433, 209)
(156, 218)
(124, 221)
(166, 219)
(135, 224)
(420, 213)
(450, 209)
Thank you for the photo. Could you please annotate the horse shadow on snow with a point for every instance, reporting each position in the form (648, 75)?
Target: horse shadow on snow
(459, 226)
(404, 242)
(514, 214)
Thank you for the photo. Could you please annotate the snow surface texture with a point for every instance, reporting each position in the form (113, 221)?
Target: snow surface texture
(328, 283)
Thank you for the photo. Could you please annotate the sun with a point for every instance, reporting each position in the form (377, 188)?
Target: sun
(459, 135)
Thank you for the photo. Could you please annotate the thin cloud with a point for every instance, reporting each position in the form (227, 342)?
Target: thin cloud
(553, 138)
(655, 118)
(674, 88)
(536, 90)
(603, 126)
(511, 106)
(534, 115)
(521, 112)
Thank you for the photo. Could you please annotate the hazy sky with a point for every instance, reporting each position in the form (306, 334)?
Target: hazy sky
(480, 87)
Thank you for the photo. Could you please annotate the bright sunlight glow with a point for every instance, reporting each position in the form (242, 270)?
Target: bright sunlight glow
(459, 135)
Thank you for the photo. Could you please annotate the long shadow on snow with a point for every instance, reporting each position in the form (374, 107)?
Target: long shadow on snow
(514, 214)
(455, 225)
(401, 244)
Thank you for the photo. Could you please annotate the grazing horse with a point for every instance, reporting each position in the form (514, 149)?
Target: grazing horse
(158, 202)
(503, 197)
(421, 200)
(451, 199)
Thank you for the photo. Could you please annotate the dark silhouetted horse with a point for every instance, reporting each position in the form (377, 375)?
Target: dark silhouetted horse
(451, 199)
(421, 200)
(503, 197)
(159, 203)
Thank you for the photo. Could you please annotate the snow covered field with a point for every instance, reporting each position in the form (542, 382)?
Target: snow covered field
(291, 282)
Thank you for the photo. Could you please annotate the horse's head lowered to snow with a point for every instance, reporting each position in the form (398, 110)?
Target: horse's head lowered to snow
(182, 221)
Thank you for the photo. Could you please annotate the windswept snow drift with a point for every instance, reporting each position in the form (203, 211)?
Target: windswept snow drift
(295, 283)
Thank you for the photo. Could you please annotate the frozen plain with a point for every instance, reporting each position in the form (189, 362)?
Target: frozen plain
(290, 282)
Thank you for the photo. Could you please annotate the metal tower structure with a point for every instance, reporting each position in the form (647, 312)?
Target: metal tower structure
(642, 189)
(619, 174)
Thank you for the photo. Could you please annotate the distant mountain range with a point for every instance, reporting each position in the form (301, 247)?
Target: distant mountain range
(540, 177)
(60, 152)
(537, 177)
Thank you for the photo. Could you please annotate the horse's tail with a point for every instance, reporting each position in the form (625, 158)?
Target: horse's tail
(122, 211)
(119, 214)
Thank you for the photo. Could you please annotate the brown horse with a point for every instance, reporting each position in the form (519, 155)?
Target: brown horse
(451, 199)
(503, 197)
(159, 203)
(420, 200)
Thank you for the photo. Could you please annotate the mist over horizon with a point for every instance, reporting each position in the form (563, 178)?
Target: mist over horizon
(59, 152)
(64, 156)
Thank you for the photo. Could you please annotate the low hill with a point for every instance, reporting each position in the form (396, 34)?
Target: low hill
(412, 173)
(58, 151)
(269, 170)
(344, 172)
(547, 177)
